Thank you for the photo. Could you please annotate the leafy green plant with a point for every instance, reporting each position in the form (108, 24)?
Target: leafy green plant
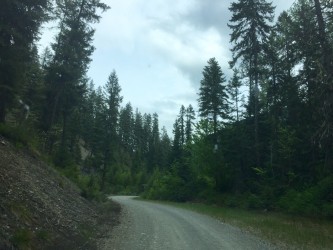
(316, 200)
(17, 135)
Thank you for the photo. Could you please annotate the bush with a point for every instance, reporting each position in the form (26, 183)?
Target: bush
(165, 187)
(90, 188)
(254, 202)
(17, 135)
(313, 201)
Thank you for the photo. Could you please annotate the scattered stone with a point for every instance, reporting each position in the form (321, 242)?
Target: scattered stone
(53, 217)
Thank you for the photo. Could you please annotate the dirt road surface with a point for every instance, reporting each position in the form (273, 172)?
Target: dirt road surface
(150, 226)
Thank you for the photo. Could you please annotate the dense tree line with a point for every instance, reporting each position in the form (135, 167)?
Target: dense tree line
(50, 102)
(271, 150)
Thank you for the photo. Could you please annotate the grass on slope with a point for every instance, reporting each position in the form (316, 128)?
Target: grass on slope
(286, 231)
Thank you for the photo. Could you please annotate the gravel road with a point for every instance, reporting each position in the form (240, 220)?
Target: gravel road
(149, 226)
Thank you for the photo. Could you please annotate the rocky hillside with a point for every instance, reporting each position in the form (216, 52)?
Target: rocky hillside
(40, 209)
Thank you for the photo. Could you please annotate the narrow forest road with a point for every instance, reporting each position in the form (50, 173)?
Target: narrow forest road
(149, 226)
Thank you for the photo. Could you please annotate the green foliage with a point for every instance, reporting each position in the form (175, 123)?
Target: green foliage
(64, 159)
(20, 23)
(213, 97)
(316, 200)
(90, 188)
(177, 184)
(18, 135)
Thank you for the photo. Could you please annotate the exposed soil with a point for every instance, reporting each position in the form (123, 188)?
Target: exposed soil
(40, 209)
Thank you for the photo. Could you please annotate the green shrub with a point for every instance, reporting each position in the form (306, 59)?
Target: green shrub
(19, 136)
(63, 159)
(90, 188)
(313, 201)
(166, 186)
(254, 202)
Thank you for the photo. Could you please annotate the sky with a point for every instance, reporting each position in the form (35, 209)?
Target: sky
(159, 49)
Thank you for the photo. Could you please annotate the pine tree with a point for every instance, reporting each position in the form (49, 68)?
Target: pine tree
(147, 134)
(234, 92)
(138, 132)
(190, 117)
(19, 25)
(126, 123)
(325, 132)
(111, 140)
(182, 124)
(165, 149)
(176, 144)
(155, 150)
(66, 71)
(250, 30)
(213, 98)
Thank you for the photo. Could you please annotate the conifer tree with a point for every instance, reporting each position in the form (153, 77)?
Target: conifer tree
(213, 98)
(19, 25)
(126, 121)
(234, 92)
(250, 29)
(190, 117)
(182, 124)
(66, 71)
(325, 132)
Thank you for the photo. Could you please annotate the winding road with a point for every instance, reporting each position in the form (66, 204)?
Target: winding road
(150, 226)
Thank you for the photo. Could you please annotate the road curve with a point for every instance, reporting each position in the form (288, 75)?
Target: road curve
(149, 226)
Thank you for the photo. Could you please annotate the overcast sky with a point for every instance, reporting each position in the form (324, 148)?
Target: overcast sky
(159, 48)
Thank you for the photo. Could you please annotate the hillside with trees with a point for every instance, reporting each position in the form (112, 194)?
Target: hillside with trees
(262, 139)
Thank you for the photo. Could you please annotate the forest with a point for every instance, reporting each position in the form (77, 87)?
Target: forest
(260, 140)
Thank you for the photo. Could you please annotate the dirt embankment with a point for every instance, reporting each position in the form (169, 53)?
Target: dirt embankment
(39, 209)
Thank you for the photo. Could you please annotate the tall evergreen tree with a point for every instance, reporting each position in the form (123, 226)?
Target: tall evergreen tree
(234, 92)
(126, 122)
(111, 140)
(190, 117)
(19, 25)
(213, 98)
(155, 151)
(147, 134)
(138, 132)
(325, 132)
(176, 144)
(165, 149)
(250, 29)
(182, 124)
(66, 72)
